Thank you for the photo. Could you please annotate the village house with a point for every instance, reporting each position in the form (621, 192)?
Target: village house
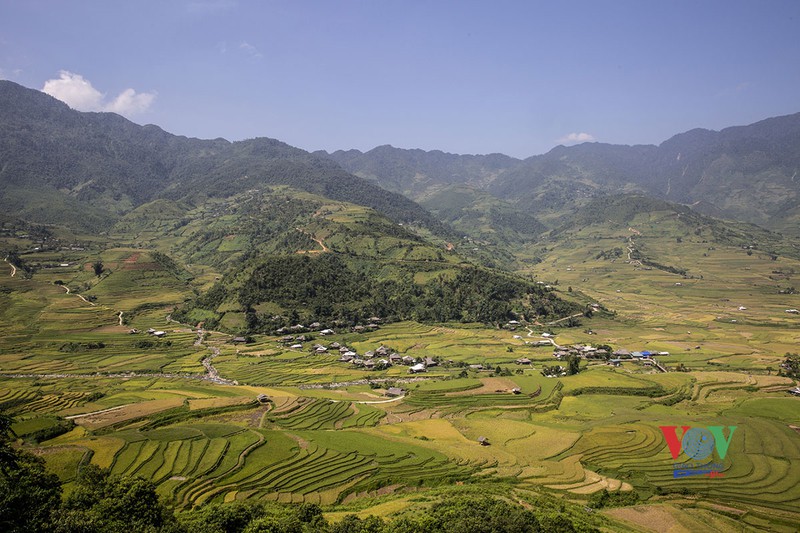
(419, 367)
(394, 392)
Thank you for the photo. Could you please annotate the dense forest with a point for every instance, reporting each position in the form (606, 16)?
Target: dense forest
(330, 288)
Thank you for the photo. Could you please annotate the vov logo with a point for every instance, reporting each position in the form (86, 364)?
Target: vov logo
(698, 444)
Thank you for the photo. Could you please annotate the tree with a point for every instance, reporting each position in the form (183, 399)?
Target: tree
(29, 495)
(98, 268)
(102, 502)
(573, 364)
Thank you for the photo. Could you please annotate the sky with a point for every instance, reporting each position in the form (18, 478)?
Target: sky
(515, 77)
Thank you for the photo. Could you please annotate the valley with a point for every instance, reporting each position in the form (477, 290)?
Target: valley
(247, 322)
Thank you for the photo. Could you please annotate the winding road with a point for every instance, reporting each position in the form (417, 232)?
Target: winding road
(13, 268)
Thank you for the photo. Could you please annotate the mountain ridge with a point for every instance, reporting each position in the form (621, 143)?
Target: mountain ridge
(744, 172)
(110, 165)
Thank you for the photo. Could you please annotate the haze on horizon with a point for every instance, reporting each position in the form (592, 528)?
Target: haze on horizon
(463, 77)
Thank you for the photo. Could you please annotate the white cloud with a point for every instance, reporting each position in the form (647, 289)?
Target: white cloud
(250, 50)
(78, 93)
(129, 102)
(574, 138)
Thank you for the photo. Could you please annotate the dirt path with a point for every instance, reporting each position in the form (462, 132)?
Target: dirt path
(212, 374)
(632, 247)
(120, 318)
(13, 268)
(84, 299)
(554, 322)
(73, 417)
(314, 238)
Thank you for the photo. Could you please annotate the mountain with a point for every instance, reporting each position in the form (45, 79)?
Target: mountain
(293, 235)
(746, 173)
(414, 172)
(61, 166)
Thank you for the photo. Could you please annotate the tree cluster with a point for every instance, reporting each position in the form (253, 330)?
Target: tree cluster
(330, 288)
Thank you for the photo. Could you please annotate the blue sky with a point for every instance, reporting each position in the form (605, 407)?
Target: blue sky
(465, 77)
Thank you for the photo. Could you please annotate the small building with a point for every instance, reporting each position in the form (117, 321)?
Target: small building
(483, 441)
(296, 346)
(795, 391)
(408, 360)
(262, 398)
(395, 358)
(419, 367)
(516, 390)
(476, 367)
(523, 361)
(239, 340)
(159, 334)
(326, 332)
(335, 346)
(394, 392)
(429, 361)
